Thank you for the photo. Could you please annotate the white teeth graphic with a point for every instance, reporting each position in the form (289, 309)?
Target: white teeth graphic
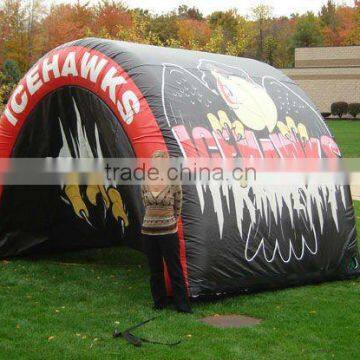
(313, 203)
(80, 145)
(285, 257)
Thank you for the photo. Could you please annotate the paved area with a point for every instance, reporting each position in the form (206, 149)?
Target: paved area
(355, 192)
(227, 321)
(355, 186)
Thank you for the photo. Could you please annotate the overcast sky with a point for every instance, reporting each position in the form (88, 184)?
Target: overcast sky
(281, 7)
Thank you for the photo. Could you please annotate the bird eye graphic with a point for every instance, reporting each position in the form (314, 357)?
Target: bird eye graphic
(227, 93)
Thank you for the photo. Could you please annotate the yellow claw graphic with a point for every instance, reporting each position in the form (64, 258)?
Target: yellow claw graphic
(73, 194)
(238, 129)
(118, 206)
(290, 127)
(225, 123)
(111, 198)
(303, 132)
(291, 124)
(93, 190)
(222, 125)
(215, 123)
(284, 130)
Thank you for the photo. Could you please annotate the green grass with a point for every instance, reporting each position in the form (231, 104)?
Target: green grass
(67, 306)
(347, 136)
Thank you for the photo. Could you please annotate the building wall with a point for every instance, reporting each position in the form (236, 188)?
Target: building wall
(342, 56)
(328, 74)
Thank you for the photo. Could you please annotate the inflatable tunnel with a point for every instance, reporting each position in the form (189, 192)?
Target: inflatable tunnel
(111, 99)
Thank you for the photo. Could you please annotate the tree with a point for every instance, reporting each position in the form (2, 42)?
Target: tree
(227, 21)
(353, 35)
(67, 22)
(280, 48)
(9, 77)
(329, 23)
(354, 109)
(236, 33)
(140, 31)
(110, 17)
(327, 15)
(307, 31)
(216, 43)
(193, 13)
(339, 108)
(270, 47)
(7, 86)
(244, 38)
(11, 72)
(34, 12)
(193, 34)
(165, 27)
(28, 29)
(14, 33)
(261, 14)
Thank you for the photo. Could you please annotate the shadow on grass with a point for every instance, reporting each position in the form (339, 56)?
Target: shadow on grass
(118, 256)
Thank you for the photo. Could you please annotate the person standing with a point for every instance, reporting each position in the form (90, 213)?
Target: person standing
(163, 204)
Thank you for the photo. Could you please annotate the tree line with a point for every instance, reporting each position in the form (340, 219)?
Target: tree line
(30, 28)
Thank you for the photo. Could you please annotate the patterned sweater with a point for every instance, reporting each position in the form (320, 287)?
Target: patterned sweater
(162, 210)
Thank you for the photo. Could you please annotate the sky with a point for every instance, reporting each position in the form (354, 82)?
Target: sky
(280, 7)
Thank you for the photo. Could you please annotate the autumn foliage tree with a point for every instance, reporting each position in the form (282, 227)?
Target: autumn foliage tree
(13, 33)
(66, 22)
(30, 28)
(352, 37)
(193, 33)
(110, 17)
(307, 31)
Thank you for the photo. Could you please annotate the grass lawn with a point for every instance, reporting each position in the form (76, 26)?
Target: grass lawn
(67, 306)
(347, 136)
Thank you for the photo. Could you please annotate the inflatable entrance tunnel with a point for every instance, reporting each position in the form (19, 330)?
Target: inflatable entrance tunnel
(111, 99)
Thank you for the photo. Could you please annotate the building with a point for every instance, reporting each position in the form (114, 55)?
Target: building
(328, 74)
